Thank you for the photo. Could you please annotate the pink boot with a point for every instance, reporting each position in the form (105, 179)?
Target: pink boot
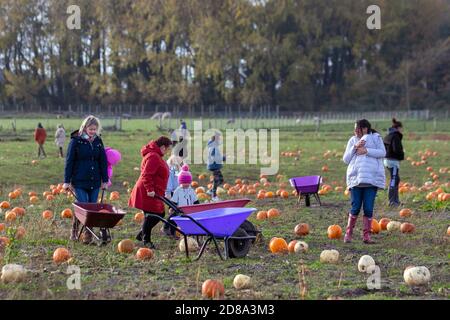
(367, 223)
(350, 225)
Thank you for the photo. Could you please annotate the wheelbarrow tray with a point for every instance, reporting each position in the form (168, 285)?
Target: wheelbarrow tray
(220, 222)
(238, 203)
(306, 185)
(88, 214)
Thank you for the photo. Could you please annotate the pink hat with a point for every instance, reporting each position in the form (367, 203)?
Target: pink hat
(184, 177)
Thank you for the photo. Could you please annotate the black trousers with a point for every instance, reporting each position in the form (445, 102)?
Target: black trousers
(218, 180)
(149, 222)
(393, 186)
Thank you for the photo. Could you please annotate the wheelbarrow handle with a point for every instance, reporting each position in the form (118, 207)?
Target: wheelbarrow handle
(170, 204)
(73, 193)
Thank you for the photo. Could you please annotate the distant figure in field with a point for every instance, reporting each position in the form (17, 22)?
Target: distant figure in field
(60, 139)
(183, 129)
(39, 136)
(231, 121)
(394, 154)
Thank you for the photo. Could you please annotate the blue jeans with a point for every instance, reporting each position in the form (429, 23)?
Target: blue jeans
(365, 197)
(86, 195)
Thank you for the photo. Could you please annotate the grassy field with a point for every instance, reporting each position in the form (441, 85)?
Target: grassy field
(106, 274)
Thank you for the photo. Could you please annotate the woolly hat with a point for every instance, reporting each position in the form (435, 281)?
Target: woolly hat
(184, 177)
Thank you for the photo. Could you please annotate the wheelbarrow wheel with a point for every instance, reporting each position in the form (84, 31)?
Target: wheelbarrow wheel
(238, 248)
(250, 229)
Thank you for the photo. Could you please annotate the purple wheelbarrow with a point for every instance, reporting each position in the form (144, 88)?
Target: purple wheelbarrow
(307, 186)
(227, 224)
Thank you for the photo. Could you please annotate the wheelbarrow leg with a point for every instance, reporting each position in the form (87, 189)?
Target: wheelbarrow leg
(307, 200)
(318, 198)
(81, 231)
(202, 249)
(186, 246)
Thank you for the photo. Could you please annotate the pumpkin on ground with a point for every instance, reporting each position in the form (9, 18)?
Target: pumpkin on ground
(383, 223)
(278, 245)
(144, 254)
(417, 276)
(334, 232)
(213, 289)
(13, 273)
(61, 255)
(301, 229)
(301, 247)
(375, 227)
(393, 226)
(365, 262)
(192, 245)
(407, 227)
(241, 281)
(329, 256)
(125, 246)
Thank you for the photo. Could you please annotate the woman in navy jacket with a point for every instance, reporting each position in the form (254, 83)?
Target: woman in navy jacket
(86, 167)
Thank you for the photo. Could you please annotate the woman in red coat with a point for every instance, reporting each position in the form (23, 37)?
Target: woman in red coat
(39, 136)
(153, 180)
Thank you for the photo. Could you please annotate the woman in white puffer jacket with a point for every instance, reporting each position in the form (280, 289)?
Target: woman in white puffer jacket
(365, 175)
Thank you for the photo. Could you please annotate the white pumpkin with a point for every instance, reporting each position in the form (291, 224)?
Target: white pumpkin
(393, 226)
(221, 191)
(417, 276)
(329, 256)
(365, 262)
(192, 245)
(301, 247)
(241, 281)
(13, 273)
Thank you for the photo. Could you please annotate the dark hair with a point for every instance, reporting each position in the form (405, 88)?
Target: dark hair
(396, 124)
(363, 123)
(163, 141)
(40, 125)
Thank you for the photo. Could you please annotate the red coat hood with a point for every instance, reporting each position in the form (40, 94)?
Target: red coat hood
(151, 147)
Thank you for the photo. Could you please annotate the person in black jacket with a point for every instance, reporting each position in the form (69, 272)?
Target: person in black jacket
(86, 167)
(394, 154)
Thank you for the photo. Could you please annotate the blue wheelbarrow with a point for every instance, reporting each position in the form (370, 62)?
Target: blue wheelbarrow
(227, 224)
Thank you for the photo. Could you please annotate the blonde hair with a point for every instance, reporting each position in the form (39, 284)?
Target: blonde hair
(175, 161)
(90, 121)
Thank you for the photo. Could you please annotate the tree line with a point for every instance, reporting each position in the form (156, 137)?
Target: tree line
(308, 55)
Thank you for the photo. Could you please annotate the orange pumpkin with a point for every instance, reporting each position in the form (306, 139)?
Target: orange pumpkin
(125, 246)
(301, 229)
(61, 255)
(139, 217)
(404, 213)
(47, 214)
(46, 193)
(227, 186)
(325, 168)
(4, 242)
(202, 177)
(20, 232)
(50, 197)
(407, 227)
(278, 245)
(213, 289)
(114, 196)
(261, 215)
(66, 214)
(273, 213)
(448, 231)
(20, 212)
(10, 216)
(199, 190)
(144, 254)
(291, 246)
(238, 181)
(284, 194)
(375, 227)
(194, 184)
(12, 195)
(269, 194)
(18, 192)
(261, 195)
(334, 232)
(231, 193)
(2, 227)
(383, 223)
(5, 205)
(431, 196)
(34, 199)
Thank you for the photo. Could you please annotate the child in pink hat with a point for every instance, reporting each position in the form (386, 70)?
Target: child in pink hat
(184, 195)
